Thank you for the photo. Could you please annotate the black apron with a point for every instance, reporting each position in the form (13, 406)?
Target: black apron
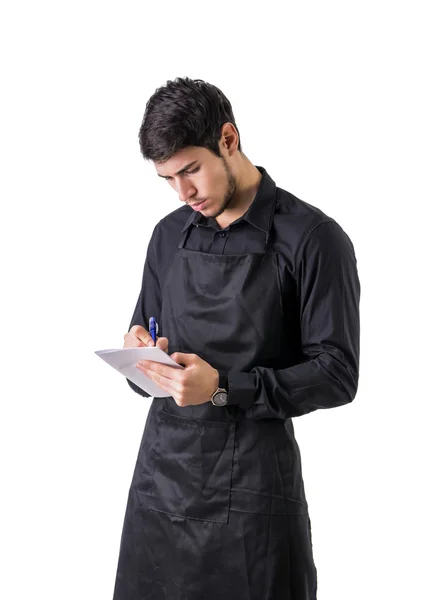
(216, 509)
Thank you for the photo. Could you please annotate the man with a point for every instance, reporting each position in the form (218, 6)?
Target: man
(257, 296)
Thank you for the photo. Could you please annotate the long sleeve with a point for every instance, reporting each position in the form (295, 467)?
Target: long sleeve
(149, 299)
(328, 291)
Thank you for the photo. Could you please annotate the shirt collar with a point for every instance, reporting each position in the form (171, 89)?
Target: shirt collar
(258, 213)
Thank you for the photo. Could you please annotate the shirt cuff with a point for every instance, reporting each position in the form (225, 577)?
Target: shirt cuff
(241, 389)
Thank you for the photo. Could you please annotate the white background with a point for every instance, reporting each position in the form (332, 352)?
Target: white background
(340, 102)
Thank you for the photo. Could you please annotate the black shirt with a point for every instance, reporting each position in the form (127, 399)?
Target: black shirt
(320, 297)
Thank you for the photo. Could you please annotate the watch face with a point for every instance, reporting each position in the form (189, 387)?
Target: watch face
(220, 399)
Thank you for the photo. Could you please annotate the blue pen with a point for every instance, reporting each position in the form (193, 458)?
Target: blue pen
(153, 327)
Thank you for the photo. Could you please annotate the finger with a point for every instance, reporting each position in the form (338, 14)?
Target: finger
(164, 370)
(169, 385)
(162, 343)
(142, 334)
(132, 342)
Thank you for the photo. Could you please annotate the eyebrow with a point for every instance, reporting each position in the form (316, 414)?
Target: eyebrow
(181, 170)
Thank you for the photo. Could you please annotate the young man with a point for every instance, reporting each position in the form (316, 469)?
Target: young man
(257, 295)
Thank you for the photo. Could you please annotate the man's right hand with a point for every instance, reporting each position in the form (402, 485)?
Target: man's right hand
(138, 337)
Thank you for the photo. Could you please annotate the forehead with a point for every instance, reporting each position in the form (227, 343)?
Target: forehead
(181, 159)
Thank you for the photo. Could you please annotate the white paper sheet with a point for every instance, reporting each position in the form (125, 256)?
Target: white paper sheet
(124, 361)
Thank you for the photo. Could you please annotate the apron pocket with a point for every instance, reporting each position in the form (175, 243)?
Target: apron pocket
(192, 467)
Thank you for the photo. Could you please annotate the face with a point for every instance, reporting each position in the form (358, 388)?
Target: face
(196, 174)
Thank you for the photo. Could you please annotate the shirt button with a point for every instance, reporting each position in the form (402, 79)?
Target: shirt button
(222, 234)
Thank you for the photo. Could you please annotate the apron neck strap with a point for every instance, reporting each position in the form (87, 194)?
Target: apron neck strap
(184, 238)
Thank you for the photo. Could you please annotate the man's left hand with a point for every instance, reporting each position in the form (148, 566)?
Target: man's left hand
(193, 385)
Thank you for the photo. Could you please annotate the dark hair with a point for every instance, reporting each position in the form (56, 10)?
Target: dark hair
(184, 112)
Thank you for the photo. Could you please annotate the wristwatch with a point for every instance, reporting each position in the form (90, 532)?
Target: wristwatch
(220, 396)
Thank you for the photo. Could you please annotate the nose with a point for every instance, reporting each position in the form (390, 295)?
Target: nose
(185, 190)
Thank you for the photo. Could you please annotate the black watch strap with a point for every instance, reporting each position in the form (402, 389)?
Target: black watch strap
(223, 381)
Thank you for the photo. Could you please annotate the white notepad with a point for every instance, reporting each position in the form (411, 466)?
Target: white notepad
(124, 360)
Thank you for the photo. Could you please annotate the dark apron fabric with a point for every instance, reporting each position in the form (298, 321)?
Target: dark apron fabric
(217, 508)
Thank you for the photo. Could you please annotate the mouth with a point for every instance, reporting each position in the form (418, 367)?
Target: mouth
(199, 205)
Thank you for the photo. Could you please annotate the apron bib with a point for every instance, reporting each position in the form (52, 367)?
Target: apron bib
(208, 478)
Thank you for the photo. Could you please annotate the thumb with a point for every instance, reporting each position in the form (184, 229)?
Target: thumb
(162, 343)
(182, 358)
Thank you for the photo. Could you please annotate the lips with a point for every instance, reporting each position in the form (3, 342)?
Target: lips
(199, 206)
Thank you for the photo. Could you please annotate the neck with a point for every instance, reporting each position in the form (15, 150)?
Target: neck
(248, 180)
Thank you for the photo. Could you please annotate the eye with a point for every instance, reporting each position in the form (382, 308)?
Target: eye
(186, 173)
